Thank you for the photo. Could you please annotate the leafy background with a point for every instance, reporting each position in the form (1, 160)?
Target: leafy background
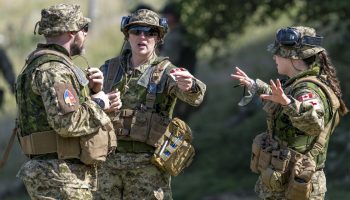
(227, 33)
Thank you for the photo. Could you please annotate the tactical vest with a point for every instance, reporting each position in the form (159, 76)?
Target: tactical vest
(148, 120)
(31, 110)
(293, 137)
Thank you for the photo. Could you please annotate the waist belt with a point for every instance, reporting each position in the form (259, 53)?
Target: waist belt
(134, 147)
(50, 156)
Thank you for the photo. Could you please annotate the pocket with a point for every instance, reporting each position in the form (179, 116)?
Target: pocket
(298, 189)
(274, 180)
(279, 164)
(256, 148)
(139, 126)
(94, 147)
(158, 127)
(264, 159)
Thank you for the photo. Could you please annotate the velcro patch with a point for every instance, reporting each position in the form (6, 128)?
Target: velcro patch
(305, 97)
(67, 97)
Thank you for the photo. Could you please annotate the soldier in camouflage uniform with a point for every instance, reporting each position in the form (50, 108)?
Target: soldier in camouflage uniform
(55, 111)
(302, 112)
(149, 87)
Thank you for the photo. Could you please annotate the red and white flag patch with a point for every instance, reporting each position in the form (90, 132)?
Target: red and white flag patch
(305, 97)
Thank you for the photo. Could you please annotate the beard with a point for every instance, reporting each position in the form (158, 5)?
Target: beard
(75, 48)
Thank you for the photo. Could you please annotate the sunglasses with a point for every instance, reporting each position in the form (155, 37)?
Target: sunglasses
(85, 28)
(147, 31)
(291, 37)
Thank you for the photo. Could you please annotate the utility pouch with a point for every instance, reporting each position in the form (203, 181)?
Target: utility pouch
(117, 119)
(95, 147)
(279, 164)
(158, 127)
(256, 148)
(273, 179)
(264, 159)
(175, 152)
(68, 147)
(139, 126)
(298, 189)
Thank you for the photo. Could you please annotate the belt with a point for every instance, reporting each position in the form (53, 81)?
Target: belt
(50, 156)
(134, 147)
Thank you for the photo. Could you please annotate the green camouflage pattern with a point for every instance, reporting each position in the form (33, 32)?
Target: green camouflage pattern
(298, 123)
(167, 92)
(147, 181)
(129, 176)
(145, 17)
(61, 18)
(38, 102)
(319, 188)
(57, 179)
(38, 110)
(297, 52)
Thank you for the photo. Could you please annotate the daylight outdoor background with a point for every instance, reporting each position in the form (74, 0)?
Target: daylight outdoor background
(227, 33)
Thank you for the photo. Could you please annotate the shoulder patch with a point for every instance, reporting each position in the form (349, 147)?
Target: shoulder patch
(67, 97)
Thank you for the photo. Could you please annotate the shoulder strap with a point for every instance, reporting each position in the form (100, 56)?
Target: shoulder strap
(112, 73)
(64, 59)
(157, 73)
(332, 123)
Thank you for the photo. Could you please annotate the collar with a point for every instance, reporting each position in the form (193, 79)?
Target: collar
(55, 47)
(313, 71)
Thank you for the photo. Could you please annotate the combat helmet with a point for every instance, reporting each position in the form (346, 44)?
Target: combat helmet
(144, 17)
(61, 18)
(297, 42)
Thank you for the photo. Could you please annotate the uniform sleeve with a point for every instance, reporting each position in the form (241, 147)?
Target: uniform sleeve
(193, 97)
(83, 118)
(306, 111)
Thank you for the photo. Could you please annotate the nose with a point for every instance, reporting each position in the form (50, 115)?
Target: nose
(142, 34)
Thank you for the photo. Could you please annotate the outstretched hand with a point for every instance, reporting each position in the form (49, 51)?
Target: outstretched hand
(183, 78)
(277, 94)
(242, 77)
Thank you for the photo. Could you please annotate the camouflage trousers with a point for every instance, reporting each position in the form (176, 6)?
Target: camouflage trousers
(319, 189)
(57, 179)
(130, 176)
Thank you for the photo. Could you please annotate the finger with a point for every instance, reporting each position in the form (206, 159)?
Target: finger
(241, 71)
(273, 86)
(266, 97)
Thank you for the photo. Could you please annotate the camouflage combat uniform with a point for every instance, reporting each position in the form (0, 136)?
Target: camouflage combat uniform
(129, 173)
(43, 107)
(298, 124)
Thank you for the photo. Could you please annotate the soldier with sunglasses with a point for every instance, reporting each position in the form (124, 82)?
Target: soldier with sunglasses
(62, 130)
(148, 87)
(302, 113)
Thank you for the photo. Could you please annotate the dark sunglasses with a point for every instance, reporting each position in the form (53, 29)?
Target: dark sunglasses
(291, 37)
(147, 31)
(85, 28)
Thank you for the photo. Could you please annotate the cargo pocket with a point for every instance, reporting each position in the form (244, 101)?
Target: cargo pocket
(298, 189)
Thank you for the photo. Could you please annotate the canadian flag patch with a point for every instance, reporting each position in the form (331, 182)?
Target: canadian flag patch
(305, 97)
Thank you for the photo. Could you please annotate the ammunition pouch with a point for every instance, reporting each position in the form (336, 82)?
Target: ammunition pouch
(175, 151)
(90, 149)
(141, 126)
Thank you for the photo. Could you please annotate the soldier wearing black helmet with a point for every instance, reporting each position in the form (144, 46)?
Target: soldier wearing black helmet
(302, 113)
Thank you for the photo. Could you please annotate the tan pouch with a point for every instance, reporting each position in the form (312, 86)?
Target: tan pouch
(68, 147)
(158, 127)
(279, 164)
(95, 147)
(139, 126)
(298, 189)
(264, 159)
(175, 153)
(274, 180)
(256, 148)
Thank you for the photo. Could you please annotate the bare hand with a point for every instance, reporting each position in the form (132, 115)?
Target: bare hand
(277, 94)
(95, 78)
(242, 77)
(184, 79)
(114, 100)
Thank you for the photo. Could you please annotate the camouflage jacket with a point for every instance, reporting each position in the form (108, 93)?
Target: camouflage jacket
(300, 122)
(43, 106)
(133, 86)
